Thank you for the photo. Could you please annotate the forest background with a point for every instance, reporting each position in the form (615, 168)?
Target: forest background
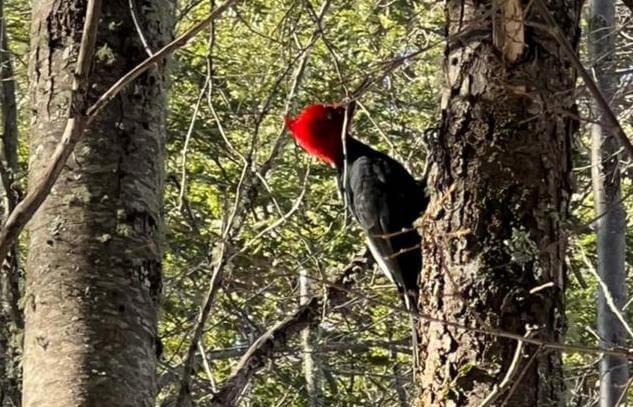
(253, 227)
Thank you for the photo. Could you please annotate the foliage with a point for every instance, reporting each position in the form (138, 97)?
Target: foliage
(254, 59)
(229, 92)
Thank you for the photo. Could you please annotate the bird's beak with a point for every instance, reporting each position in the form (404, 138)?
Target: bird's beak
(349, 110)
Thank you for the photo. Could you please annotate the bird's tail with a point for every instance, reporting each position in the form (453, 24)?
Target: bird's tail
(411, 305)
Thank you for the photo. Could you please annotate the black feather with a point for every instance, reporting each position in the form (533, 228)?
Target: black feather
(385, 200)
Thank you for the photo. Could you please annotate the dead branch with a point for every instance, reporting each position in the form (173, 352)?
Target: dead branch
(277, 337)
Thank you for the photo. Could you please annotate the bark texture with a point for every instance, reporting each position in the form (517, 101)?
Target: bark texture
(500, 190)
(611, 225)
(93, 268)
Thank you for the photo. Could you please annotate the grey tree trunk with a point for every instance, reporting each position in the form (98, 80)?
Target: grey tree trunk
(311, 365)
(11, 321)
(500, 190)
(610, 227)
(93, 268)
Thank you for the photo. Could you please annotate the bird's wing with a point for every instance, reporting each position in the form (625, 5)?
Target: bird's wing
(371, 201)
(378, 192)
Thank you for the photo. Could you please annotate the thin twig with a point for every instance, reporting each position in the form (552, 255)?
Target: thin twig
(607, 294)
(75, 125)
(184, 392)
(283, 218)
(560, 346)
(205, 363)
(524, 371)
(156, 58)
(185, 147)
(541, 287)
(296, 81)
(139, 30)
(392, 147)
(349, 106)
(624, 393)
(336, 293)
(514, 365)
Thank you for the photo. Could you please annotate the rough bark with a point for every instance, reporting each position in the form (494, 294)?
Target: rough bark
(11, 323)
(499, 183)
(611, 224)
(93, 268)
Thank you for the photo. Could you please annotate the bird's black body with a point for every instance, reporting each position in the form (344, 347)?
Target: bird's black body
(385, 200)
(383, 197)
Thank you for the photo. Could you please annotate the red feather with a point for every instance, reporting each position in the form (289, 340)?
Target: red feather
(317, 129)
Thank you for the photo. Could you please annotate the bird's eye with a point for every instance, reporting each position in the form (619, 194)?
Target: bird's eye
(329, 115)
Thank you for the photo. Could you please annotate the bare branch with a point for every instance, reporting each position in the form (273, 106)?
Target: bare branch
(156, 58)
(514, 365)
(296, 81)
(139, 30)
(277, 337)
(521, 376)
(607, 294)
(184, 392)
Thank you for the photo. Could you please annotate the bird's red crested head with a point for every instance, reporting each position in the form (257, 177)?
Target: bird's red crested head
(317, 129)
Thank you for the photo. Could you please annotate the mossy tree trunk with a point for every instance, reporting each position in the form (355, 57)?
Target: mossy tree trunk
(93, 268)
(500, 190)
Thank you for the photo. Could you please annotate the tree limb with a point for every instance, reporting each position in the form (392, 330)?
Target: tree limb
(277, 337)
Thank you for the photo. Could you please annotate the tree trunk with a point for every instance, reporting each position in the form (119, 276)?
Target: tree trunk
(500, 189)
(11, 321)
(93, 267)
(610, 227)
(309, 337)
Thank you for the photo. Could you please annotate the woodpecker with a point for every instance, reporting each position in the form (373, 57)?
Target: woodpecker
(380, 193)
